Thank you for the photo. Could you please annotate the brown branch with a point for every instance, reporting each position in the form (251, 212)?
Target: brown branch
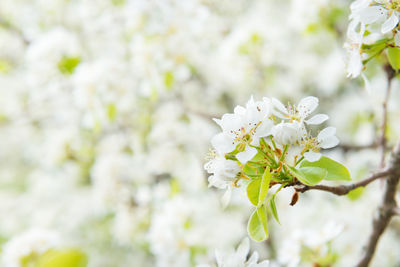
(344, 189)
(351, 147)
(385, 210)
(396, 211)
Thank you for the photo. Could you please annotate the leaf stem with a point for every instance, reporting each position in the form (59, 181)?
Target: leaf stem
(284, 153)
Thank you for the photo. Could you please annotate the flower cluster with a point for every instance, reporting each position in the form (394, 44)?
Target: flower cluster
(267, 143)
(373, 27)
(270, 130)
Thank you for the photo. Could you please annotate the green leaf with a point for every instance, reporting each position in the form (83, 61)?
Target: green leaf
(336, 171)
(253, 170)
(63, 258)
(67, 65)
(253, 191)
(393, 54)
(169, 79)
(266, 178)
(118, 2)
(111, 112)
(262, 216)
(5, 66)
(378, 45)
(356, 193)
(273, 209)
(255, 228)
(308, 175)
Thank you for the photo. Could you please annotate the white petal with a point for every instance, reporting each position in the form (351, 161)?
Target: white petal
(390, 23)
(371, 14)
(278, 104)
(226, 198)
(219, 256)
(317, 119)
(265, 128)
(230, 122)
(354, 64)
(222, 143)
(246, 155)
(325, 133)
(360, 4)
(250, 103)
(239, 110)
(253, 259)
(312, 156)
(367, 84)
(307, 105)
(354, 34)
(218, 183)
(329, 142)
(243, 250)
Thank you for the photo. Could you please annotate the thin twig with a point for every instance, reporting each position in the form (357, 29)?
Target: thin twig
(385, 210)
(345, 189)
(352, 147)
(382, 140)
(396, 211)
(12, 28)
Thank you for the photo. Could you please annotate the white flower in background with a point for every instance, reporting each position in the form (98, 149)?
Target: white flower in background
(34, 242)
(238, 258)
(325, 139)
(243, 129)
(300, 112)
(186, 227)
(296, 244)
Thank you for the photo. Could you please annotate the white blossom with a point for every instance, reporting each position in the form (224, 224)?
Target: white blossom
(300, 112)
(325, 139)
(243, 128)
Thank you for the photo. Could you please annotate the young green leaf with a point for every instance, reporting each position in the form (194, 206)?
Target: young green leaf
(308, 175)
(67, 65)
(262, 216)
(273, 209)
(255, 228)
(336, 171)
(393, 54)
(62, 258)
(253, 191)
(253, 170)
(266, 178)
(356, 193)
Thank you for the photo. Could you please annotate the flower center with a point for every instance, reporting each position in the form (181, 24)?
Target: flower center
(310, 143)
(392, 5)
(243, 137)
(293, 113)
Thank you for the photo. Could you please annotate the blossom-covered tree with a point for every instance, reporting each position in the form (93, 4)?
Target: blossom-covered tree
(108, 109)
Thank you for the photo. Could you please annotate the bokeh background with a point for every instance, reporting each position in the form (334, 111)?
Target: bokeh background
(105, 125)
